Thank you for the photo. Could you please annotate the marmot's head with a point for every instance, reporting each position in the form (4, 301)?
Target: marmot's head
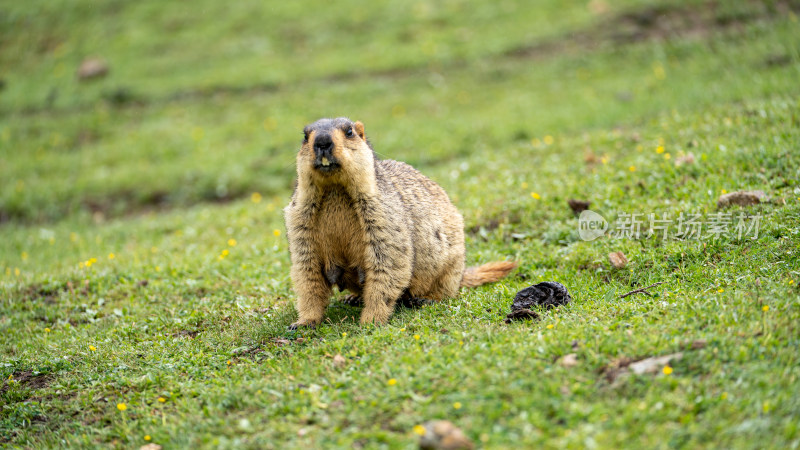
(333, 148)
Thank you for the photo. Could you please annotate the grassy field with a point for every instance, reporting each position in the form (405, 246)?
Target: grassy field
(144, 270)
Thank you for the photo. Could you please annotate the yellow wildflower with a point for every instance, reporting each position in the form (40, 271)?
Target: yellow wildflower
(161, 400)
(659, 72)
(197, 133)
(392, 382)
(457, 405)
(122, 406)
(632, 168)
(146, 437)
(416, 336)
(720, 290)
(535, 195)
(419, 429)
(111, 256)
(667, 370)
(276, 232)
(255, 197)
(232, 242)
(225, 252)
(47, 330)
(92, 348)
(660, 149)
(765, 308)
(550, 326)
(548, 140)
(667, 156)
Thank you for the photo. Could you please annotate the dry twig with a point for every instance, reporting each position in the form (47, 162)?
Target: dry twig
(642, 290)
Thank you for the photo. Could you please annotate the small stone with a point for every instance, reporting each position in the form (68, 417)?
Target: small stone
(741, 198)
(653, 365)
(687, 159)
(339, 361)
(569, 360)
(698, 344)
(443, 435)
(578, 206)
(92, 68)
(618, 260)
(150, 447)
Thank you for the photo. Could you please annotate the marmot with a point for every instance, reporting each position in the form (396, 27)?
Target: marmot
(378, 228)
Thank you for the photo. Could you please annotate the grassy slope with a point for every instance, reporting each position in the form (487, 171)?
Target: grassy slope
(206, 332)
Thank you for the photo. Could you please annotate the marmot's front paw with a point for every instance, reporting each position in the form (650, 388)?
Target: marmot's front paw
(353, 300)
(375, 315)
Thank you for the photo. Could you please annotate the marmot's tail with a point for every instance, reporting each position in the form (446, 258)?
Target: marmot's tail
(487, 273)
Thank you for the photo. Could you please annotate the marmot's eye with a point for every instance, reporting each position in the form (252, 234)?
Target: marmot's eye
(305, 136)
(349, 132)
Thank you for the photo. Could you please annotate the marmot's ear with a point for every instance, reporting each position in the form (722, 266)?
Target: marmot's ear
(359, 129)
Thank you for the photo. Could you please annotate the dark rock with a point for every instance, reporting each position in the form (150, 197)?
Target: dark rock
(548, 294)
(578, 206)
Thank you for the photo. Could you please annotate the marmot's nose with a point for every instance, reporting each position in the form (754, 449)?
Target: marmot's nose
(323, 145)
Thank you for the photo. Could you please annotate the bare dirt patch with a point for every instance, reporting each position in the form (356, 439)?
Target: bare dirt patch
(28, 379)
(661, 23)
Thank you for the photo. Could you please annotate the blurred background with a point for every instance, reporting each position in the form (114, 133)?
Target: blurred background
(109, 108)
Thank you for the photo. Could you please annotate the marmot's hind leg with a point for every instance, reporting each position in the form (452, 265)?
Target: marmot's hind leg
(407, 300)
(448, 283)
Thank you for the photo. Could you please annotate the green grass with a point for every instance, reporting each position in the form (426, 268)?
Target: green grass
(494, 102)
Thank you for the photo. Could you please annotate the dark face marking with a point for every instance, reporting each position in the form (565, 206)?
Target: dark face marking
(322, 132)
(329, 125)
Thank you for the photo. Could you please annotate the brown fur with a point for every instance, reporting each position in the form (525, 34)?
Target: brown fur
(378, 228)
